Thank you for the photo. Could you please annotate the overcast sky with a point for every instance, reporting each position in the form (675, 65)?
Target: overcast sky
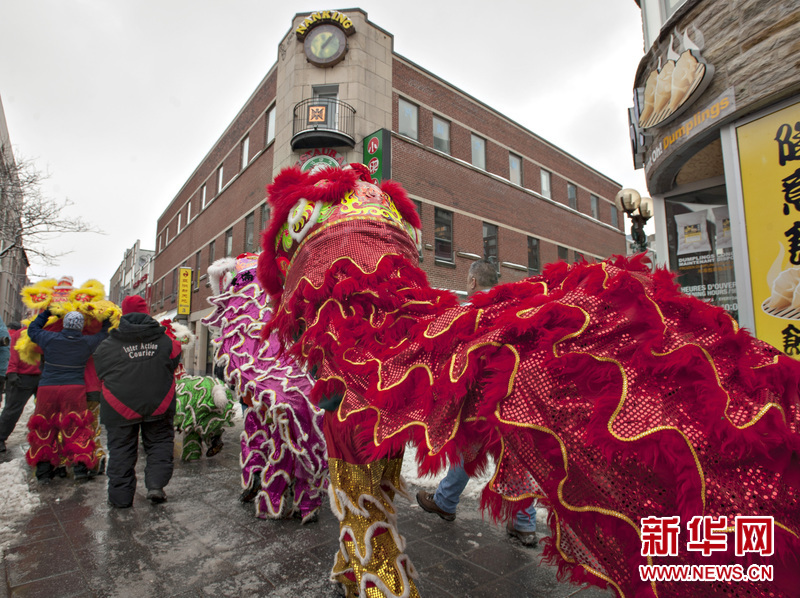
(119, 100)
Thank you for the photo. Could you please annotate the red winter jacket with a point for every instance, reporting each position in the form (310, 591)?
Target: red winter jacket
(15, 364)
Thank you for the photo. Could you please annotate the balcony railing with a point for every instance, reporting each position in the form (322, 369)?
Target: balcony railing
(323, 122)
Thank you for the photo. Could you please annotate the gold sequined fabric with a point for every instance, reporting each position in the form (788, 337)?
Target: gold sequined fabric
(99, 452)
(371, 561)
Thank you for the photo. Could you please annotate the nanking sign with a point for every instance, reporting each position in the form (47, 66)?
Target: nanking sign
(325, 16)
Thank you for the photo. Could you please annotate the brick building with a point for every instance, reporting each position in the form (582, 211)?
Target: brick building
(484, 185)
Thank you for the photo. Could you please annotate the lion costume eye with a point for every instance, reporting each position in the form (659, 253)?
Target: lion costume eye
(302, 218)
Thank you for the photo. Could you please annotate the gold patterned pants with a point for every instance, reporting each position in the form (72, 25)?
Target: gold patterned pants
(371, 562)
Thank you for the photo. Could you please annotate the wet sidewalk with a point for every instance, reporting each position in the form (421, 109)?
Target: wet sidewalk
(63, 541)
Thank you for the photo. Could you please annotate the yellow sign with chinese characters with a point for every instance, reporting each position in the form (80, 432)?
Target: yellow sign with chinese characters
(184, 291)
(769, 159)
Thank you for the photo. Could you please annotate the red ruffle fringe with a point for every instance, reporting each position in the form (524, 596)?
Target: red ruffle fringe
(455, 364)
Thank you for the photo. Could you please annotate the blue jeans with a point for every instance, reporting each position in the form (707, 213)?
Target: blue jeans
(449, 490)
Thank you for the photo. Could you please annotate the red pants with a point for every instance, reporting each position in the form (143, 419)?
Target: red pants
(61, 431)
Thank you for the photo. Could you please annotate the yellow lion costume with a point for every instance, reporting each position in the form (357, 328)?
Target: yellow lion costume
(61, 297)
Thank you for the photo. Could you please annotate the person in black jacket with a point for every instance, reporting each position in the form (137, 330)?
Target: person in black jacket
(136, 366)
(61, 425)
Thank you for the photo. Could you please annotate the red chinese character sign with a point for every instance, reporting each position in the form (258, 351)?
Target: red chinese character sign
(769, 159)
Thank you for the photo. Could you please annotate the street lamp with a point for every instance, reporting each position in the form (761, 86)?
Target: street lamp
(639, 209)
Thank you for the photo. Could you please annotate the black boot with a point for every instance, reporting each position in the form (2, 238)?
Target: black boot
(215, 445)
(249, 494)
(44, 472)
(100, 469)
(81, 472)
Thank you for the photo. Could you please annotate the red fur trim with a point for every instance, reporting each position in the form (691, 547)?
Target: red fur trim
(41, 454)
(76, 418)
(401, 201)
(362, 171)
(40, 423)
(292, 185)
(90, 461)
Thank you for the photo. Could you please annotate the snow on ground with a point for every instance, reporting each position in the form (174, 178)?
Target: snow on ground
(16, 497)
(473, 489)
(15, 494)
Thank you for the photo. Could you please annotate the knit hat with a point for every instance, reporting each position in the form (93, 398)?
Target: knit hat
(73, 321)
(134, 303)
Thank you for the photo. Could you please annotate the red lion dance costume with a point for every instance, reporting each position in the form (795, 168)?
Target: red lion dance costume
(73, 435)
(599, 389)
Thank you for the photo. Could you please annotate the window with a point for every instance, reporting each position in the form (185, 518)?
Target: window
(211, 253)
(196, 270)
(441, 135)
(270, 125)
(219, 179)
(614, 216)
(245, 152)
(229, 242)
(203, 198)
(490, 242)
(578, 256)
(670, 6)
(328, 96)
(174, 284)
(249, 233)
(478, 152)
(407, 119)
(189, 212)
(515, 169)
(418, 205)
(179, 224)
(159, 243)
(534, 265)
(263, 217)
(572, 196)
(163, 282)
(443, 235)
(563, 254)
(545, 177)
(595, 207)
(166, 242)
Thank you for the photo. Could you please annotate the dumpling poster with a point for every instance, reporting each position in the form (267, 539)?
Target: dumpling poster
(769, 160)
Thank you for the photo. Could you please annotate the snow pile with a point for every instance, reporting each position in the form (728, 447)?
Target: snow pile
(429, 482)
(15, 496)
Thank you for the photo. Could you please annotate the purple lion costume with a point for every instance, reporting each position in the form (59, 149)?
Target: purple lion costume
(284, 458)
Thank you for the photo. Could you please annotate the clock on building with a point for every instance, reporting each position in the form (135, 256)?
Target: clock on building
(325, 45)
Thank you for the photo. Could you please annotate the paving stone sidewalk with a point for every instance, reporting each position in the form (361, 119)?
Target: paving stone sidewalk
(203, 542)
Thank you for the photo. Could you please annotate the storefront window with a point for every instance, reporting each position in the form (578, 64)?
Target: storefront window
(700, 248)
